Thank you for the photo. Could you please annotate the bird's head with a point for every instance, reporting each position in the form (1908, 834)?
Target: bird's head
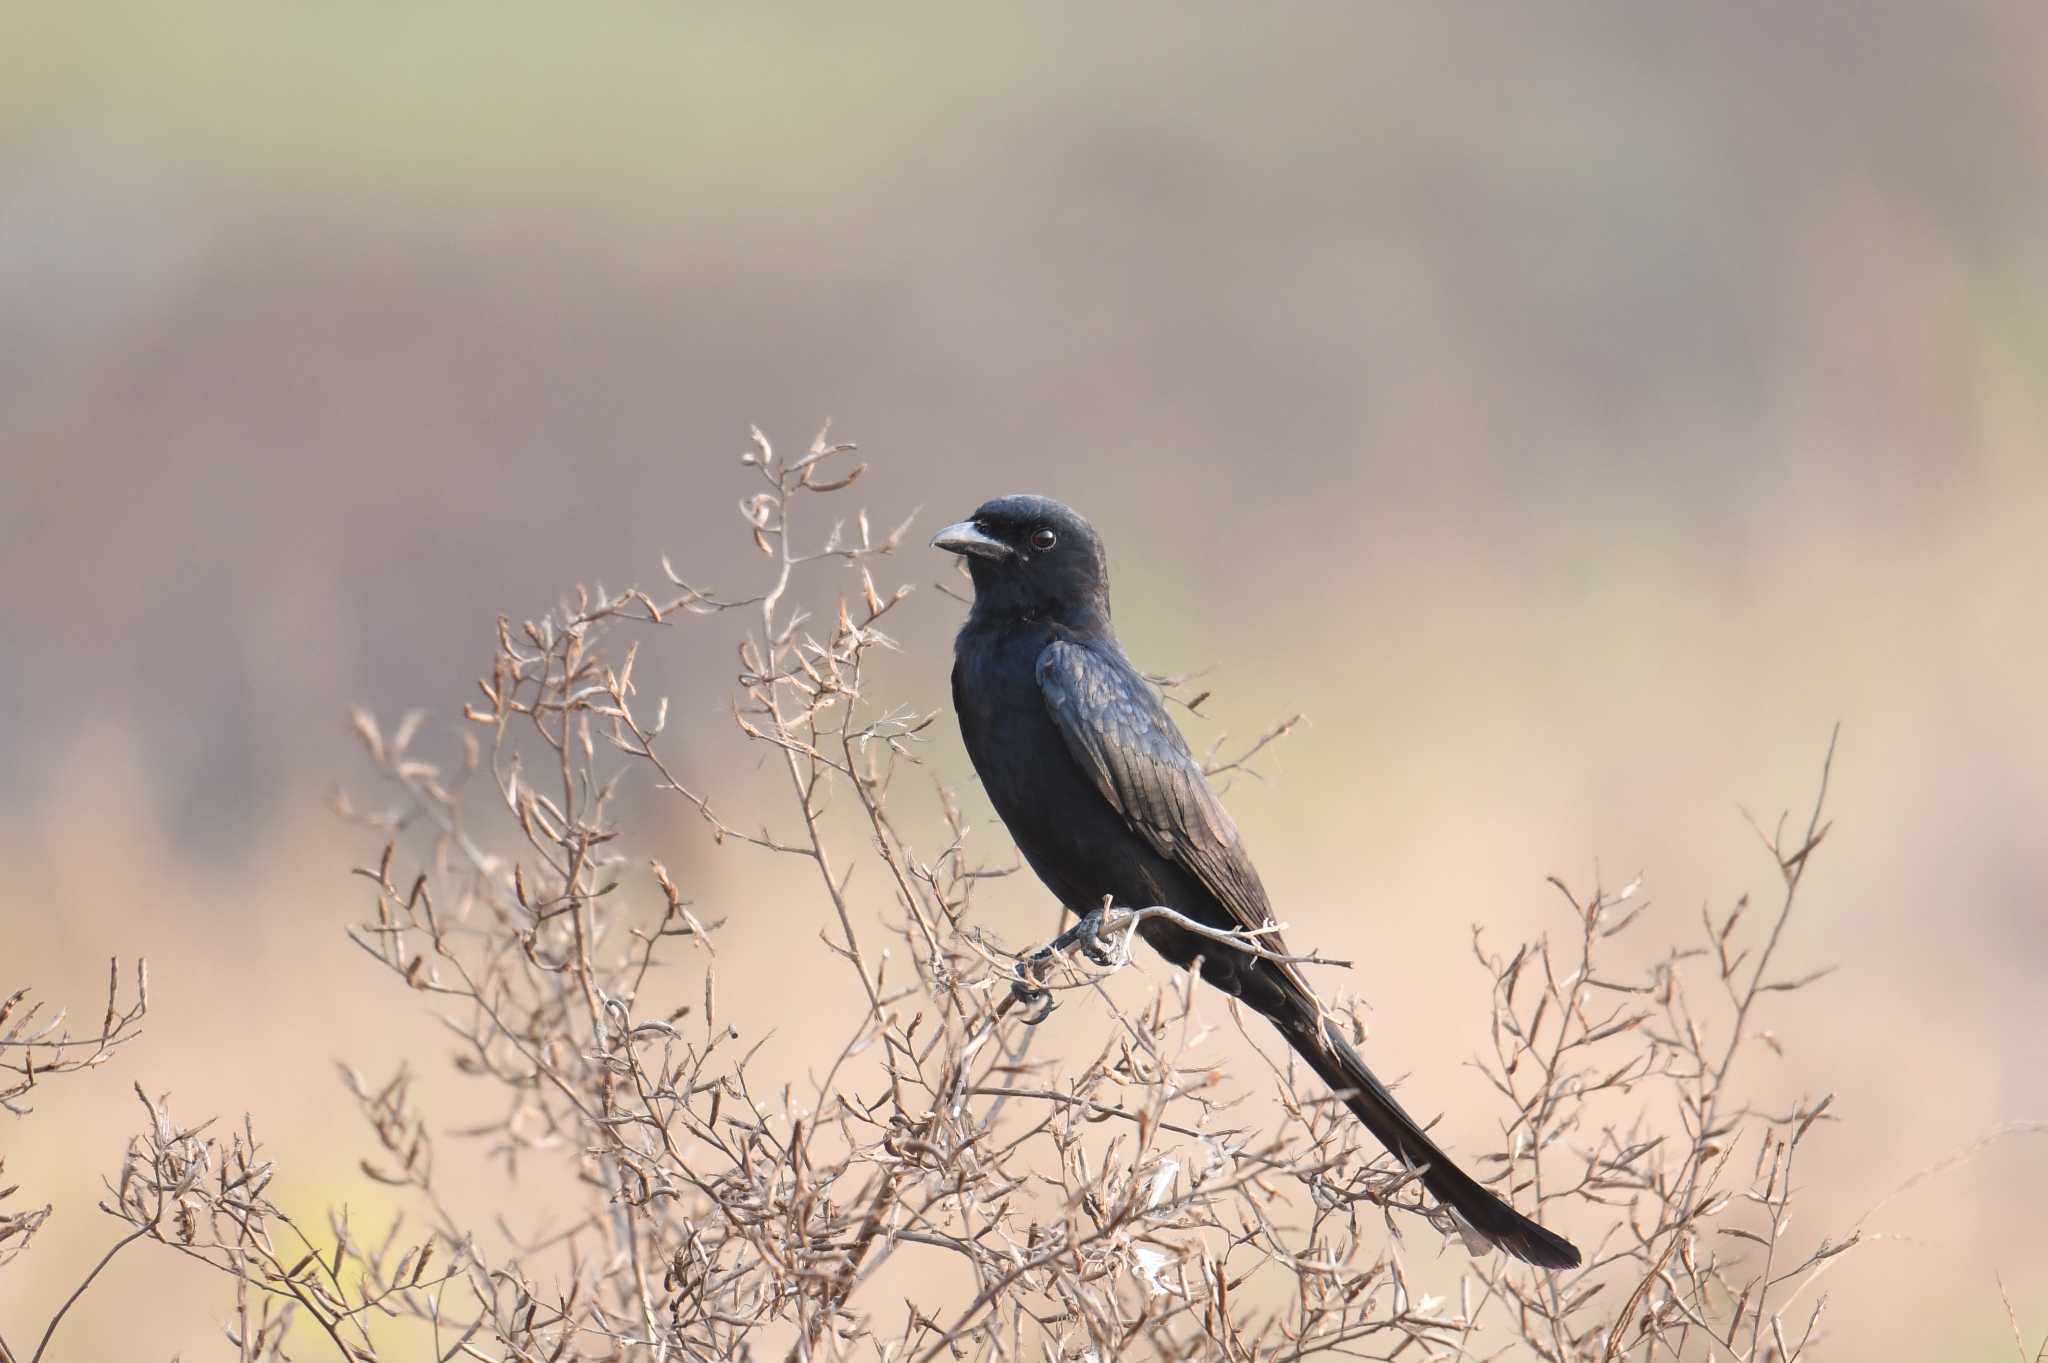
(1032, 556)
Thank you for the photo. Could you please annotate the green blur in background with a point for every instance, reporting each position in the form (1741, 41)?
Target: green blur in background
(1576, 410)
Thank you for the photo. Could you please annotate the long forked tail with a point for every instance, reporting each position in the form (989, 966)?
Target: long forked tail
(1343, 1070)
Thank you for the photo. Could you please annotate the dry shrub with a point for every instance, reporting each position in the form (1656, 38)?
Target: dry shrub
(1115, 1204)
(35, 1049)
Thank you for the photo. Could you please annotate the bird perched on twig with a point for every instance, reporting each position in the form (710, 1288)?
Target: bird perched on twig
(1106, 802)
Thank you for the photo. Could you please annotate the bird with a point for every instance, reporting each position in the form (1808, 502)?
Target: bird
(1108, 805)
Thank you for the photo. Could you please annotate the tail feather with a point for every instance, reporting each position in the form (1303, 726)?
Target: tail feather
(1342, 1069)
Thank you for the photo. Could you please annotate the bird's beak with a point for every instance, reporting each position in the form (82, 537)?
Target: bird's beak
(966, 538)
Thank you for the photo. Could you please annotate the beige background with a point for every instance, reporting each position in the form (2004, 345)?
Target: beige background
(1576, 410)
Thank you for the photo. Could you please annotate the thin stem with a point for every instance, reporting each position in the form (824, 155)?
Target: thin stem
(79, 1291)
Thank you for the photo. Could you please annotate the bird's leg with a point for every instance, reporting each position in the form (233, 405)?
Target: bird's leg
(1086, 936)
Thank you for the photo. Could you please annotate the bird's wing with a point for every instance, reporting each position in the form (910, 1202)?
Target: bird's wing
(1120, 733)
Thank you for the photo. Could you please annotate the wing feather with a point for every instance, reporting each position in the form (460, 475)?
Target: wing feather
(1117, 728)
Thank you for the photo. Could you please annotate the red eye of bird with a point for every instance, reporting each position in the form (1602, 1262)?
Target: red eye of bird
(1043, 539)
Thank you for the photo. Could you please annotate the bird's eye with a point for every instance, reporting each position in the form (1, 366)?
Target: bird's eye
(1043, 539)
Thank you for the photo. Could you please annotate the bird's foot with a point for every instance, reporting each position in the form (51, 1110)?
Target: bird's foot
(1091, 941)
(1026, 990)
(1086, 937)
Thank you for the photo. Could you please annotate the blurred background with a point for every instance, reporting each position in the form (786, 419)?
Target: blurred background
(1575, 410)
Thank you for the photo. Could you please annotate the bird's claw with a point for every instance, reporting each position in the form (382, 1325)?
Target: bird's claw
(1086, 935)
(1026, 990)
(1039, 1001)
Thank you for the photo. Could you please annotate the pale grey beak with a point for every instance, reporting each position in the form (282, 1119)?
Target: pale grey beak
(966, 538)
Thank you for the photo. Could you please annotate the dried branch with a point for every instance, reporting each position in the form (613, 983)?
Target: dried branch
(946, 1188)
